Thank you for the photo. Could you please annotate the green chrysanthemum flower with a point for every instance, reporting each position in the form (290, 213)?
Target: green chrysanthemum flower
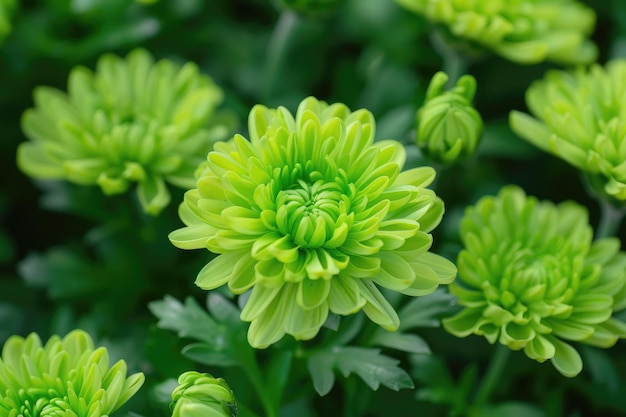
(202, 395)
(312, 216)
(523, 31)
(132, 120)
(448, 126)
(531, 278)
(581, 118)
(66, 377)
(7, 8)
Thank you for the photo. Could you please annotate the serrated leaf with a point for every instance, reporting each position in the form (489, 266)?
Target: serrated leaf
(426, 311)
(208, 354)
(63, 272)
(370, 365)
(187, 320)
(401, 341)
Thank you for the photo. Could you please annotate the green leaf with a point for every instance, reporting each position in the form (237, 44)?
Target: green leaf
(369, 364)
(411, 343)
(187, 320)
(425, 311)
(207, 354)
(66, 274)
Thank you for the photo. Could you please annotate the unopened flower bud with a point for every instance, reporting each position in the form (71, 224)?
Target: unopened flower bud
(202, 395)
(448, 126)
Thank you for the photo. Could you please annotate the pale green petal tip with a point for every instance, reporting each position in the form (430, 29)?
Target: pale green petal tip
(513, 290)
(77, 351)
(131, 121)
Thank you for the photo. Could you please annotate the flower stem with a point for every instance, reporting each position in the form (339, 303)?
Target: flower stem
(454, 64)
(251, 367)
(492, 376)
(277, 48)
(610, 219)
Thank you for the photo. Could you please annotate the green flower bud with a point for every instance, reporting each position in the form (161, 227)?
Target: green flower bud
(64, 377)
(531, 277)
(202, 395)
(130, 121)
(310, 7)
(580, 117)
(526, 32)
(448, 126)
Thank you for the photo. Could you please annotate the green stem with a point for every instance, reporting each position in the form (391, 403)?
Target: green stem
(277, 48)
(454, 64)
(251, 367)
(493, 375)
(610, 219)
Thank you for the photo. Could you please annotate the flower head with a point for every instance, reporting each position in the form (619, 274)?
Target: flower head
(202, 395)
(132, 120)
(7, 8)
(531, 278)
(313, 216)
(448, 126)
(523, 31)
(581, 118)
(64, 377)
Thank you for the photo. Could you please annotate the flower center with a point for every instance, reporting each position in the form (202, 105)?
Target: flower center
(310, 213)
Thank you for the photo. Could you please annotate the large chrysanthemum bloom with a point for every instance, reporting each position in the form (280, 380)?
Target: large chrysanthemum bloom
(313, 216)
(200, 394)
(448, 126)
(531, 278)
(7, 8)
(523, 31)
(580, 117)
(64, 377)
(132, 120)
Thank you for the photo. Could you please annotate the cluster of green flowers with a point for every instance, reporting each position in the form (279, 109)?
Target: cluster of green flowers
(64, 377)
(531, 278)
(132, 120)
(312, 216)
(581, 118)
(524, 31)
(448, 126)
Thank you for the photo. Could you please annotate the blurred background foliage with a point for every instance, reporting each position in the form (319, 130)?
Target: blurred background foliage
(71, 257)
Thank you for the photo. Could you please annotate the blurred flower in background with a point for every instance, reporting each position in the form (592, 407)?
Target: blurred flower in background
(312, 216)
(531, 278)
(580, 117)
(523, 31)
(448, 126)
(7, 8)
(63, 377)
(130, 121)
(200, 394)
